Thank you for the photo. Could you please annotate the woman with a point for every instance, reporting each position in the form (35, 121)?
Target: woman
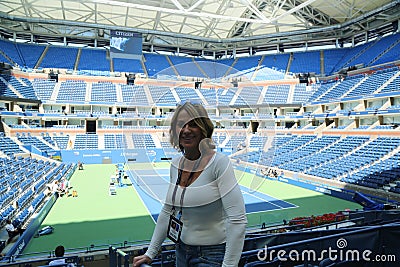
(204, 211)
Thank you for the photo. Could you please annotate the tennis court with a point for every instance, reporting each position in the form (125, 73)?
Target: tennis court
(152, 184)
(96, 218)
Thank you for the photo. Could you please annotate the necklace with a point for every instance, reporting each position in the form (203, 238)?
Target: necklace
(189, 176)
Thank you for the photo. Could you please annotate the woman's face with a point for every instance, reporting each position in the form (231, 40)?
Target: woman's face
(189, 133)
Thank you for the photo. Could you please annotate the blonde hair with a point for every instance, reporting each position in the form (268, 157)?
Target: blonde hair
(200, 118)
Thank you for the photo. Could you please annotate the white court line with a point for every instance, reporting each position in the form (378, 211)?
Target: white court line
(246, 192)
(270, 197)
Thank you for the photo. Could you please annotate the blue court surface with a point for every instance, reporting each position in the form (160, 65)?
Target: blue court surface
(152, 186)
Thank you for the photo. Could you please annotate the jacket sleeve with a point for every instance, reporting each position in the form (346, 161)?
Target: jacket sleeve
(160, 232)
(234, 208)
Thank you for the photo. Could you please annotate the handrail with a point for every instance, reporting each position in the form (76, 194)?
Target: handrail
(116, 255)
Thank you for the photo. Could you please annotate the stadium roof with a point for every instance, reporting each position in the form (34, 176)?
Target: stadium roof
(201, 27)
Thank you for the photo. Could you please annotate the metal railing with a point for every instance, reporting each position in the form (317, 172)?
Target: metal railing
(118, 258)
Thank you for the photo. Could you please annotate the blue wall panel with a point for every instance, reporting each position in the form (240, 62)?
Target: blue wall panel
(117, 155)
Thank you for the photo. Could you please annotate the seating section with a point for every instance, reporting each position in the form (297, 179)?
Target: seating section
(305, 61)
(104, 92)
(360, 160)
(61, 141)
(210, 96)
(323, 88)
(128, 65)
(257, 141)
(392, 86)
(23, 181)
(372, 83)
(244, 65)
(372, 52)
(341, 88)
(347, 56)
(302, 92)
(187, 93)
(134, 94)
(59, 57)
(94, 60)
(11, 51)
(143, 141)
(72, 91)
(331, 56)
(377, 172)
(278, 62)
(183, 67)
(157, 65)
(30, 54)
(391, 54)
(5, 89)
(249, 95)
(335, 167)
(8, 146)
(43, 88)
(219, 138)
(224, 96)
(86, 141)
(277, 94)
(36, 142)
(264, 73)
(161, 95)
(47, 138)
(19, 86)
(380, 82)
(235, 141)
(211, 69)
(290, 160)
(115, 141)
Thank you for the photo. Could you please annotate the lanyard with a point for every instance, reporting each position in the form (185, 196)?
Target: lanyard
(178, 181)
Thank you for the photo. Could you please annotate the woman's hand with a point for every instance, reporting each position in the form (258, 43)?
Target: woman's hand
(138, 260)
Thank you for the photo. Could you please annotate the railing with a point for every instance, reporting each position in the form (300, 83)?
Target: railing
(116, 256)
(360, 240)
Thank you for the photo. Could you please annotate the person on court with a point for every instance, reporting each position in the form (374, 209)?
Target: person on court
(204, 211)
